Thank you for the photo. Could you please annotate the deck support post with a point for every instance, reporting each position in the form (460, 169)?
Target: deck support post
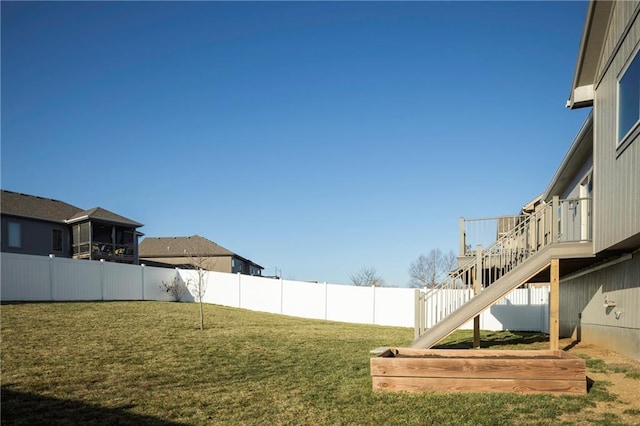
(554, 305)
(417, 310)
(462, 238)
(477, 286)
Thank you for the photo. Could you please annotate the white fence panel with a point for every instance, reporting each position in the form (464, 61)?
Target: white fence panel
(76, 279)
(35, 278)
(122, 281)
(261, 294)
(25, 277)
(306, 300)
(524, 309)
(350, 304)
(223, 289)
(392, 306)
(153, 278)
(190, 279)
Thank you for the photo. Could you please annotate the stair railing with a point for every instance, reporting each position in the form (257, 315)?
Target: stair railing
(529, 235)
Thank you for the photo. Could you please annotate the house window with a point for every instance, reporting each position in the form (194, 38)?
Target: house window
(629, 99)
(56, 238)
(15, 235)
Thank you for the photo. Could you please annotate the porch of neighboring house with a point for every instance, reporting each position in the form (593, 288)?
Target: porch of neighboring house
(547, 241)
(96, 240)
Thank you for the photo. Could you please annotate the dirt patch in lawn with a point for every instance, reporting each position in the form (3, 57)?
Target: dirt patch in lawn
(617, 375)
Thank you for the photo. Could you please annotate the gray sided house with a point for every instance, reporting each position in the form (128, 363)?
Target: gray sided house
(582, 235)
(601, 304)
(194, 251)
(43, 226)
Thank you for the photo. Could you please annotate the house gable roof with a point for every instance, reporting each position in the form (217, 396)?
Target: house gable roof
(103, 215)
(31, 206)
(34, 207)
(194, 245)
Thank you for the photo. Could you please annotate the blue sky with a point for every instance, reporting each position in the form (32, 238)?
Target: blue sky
(318, 138)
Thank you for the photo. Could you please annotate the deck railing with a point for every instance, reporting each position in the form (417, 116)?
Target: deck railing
(484, 231)
(558, 221)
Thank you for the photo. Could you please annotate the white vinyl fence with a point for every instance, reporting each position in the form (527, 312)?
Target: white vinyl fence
(522, 309)
(37, 278)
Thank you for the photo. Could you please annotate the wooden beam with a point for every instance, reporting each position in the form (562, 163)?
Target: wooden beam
(462, 238)
(456, 370)
(441, 384)
(554, 306)
(417, 317)
(477, 287)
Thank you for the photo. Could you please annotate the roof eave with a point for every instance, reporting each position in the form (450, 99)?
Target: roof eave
(568, 164)
(593, 37)
(98, 219)
(42, 219)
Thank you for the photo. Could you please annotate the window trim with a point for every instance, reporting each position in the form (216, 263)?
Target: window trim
(623, 141)
(53, 240)
(10, 241)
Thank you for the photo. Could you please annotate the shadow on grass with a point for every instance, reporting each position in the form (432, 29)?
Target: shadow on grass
(495, 339)
(22, 408)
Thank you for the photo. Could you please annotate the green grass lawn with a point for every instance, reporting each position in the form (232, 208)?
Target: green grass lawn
(148, 363)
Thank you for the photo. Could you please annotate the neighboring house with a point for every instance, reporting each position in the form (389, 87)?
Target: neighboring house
(42, 226)
(583, 234)
(194, 251)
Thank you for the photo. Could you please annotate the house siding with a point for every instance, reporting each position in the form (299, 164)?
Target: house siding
(573, 190)
(616, 174)
(218, 264)
(36, 237)
(621, 15)
(584, 316)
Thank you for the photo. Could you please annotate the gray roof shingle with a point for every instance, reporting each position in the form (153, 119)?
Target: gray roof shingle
(34, 207)
(101, 214)
(17, 204)
(194, 245)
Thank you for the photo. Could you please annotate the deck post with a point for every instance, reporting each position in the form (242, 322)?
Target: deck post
(416, 311)
(462, 243)
(477, 286)
(554, 305)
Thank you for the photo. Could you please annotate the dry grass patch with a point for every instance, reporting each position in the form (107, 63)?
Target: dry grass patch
(148, 363)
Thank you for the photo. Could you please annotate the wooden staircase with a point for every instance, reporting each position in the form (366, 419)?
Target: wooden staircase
(511, 261)
(500, 288)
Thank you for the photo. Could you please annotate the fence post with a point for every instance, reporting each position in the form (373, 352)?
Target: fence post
(373, 289)
(239, 290)
(281, 295)
(52, 278)
(142, 278)
(102, 278)
(325, 299)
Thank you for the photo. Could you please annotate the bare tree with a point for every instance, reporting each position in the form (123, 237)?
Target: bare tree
(428, 270)
(367, 277)
(418, 273)
(434, 267)
(449, 262)
(198, 285)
